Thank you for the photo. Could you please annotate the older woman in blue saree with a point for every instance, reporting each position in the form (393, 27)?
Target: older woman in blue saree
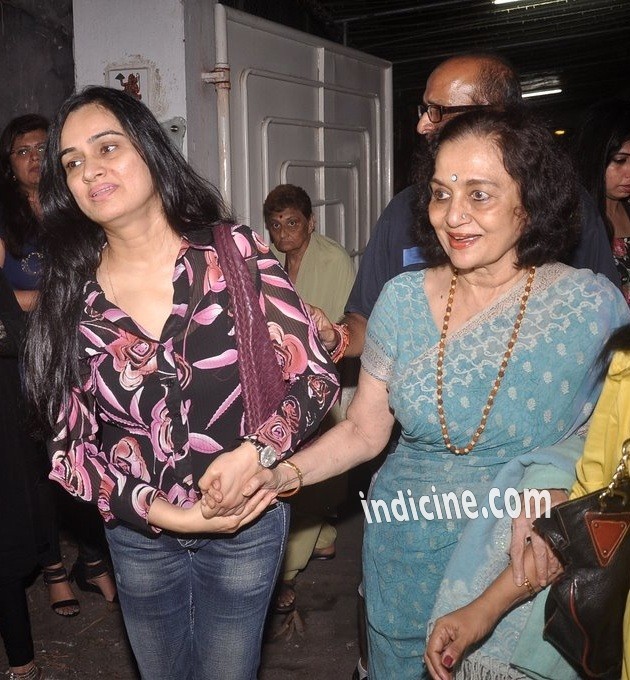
(486, 358)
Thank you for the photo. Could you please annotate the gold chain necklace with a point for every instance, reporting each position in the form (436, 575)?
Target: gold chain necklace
(495, 387)
(109, 279)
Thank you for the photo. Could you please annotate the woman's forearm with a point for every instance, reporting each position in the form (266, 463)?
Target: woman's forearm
(190, 520)
(361, 437)
(456, 631)
(503, 594)
(336, 451)
(163, 515)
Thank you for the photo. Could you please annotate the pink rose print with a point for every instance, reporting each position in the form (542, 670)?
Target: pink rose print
(619, 247)
(76, 414)
(290, 351)
(184, 370)
(161, 431)
(275, 332)
(213, 280)
(260, 244)
(243, 244)
(104, 498)
(134, 358)
(119, 445)
(182, 497)
(141, 498)
(126, 455)
(292, 412)
(69, 468)
(318, 388)
(277, 432)
(292, 355)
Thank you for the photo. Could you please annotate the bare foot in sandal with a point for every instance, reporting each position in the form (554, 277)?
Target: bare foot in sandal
(62, 599)
(95, 577)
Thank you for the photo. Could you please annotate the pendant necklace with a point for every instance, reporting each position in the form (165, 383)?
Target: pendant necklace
(109, 280)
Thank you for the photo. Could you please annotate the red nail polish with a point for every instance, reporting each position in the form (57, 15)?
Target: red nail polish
(447, 661)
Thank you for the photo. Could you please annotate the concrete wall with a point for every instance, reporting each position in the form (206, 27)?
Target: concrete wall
(36, 67)
(117, 39)
(168, 44)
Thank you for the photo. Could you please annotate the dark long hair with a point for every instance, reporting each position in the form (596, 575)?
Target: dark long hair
(73, 243)
(20, 225)
(604, 129)
(619, 341)
(543, 172)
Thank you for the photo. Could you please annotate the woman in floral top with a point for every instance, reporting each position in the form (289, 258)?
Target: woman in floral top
(603, 153)
(133, 359)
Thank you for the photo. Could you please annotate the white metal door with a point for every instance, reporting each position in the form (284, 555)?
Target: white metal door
(305, 111)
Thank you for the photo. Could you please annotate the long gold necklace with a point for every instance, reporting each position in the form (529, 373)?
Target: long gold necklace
(495, 387)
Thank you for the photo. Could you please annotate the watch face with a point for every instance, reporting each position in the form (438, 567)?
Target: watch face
(267, 456)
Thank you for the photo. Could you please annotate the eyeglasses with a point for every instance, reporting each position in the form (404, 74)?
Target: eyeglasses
(436, 111)
(24, 151)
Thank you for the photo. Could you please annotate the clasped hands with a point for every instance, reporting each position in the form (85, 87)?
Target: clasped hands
(235, 491)
(234, 483)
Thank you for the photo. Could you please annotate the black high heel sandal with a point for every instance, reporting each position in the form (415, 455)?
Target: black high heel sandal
(56, 575)
(33, 673)
(83, 573)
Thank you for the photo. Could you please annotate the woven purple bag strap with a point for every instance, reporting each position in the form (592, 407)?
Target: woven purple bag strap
(262, 384)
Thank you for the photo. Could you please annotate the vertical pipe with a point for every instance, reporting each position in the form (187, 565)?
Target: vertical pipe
(386, 124)
(321, 136)
(223, 103)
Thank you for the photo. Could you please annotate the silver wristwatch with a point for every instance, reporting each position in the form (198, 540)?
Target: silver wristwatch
(267, 455)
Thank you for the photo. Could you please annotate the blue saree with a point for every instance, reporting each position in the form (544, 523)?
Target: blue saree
(548, 392)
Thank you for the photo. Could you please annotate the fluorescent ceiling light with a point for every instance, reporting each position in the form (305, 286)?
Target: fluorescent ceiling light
(541, 93)
(529, 3)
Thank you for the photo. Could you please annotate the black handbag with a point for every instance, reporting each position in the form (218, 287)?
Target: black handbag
(585, 605)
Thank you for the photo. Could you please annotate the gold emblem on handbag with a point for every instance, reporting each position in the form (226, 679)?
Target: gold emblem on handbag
(585, 606)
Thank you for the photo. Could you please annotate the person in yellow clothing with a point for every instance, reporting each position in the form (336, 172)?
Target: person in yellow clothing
(323, 274)
(609, 427)
(320, 269)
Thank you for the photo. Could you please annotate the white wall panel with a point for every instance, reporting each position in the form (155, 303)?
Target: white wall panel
(310, 112)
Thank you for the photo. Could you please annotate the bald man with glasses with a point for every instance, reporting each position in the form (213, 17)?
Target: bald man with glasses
(459, 84)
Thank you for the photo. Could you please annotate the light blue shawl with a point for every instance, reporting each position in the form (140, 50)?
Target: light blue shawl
(482, 553)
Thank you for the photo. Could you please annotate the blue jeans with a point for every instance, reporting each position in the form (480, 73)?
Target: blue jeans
(195, 607)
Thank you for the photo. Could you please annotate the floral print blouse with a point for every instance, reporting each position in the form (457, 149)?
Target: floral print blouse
(621, 253)
(152, 414)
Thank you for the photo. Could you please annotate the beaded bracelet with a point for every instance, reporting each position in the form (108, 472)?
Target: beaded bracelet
(344, 340)
(298, 472)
